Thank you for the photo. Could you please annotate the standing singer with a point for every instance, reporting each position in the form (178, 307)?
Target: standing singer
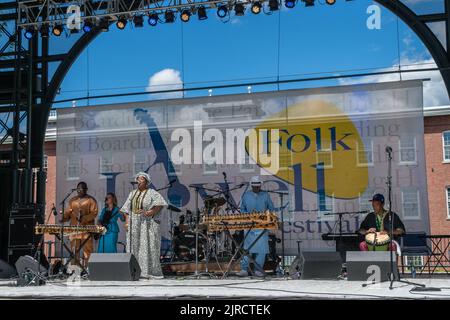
(143, 235)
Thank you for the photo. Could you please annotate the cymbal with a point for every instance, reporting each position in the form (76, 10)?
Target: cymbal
(174, 209)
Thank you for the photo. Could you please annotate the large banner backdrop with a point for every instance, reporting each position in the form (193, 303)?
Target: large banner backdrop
(325, 147)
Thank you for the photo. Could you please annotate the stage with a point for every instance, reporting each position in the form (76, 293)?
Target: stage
(232, 288)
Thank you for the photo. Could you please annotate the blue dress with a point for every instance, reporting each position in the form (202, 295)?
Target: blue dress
(108, 242)
(256, 202)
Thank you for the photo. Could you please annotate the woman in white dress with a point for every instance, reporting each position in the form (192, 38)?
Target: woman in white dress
(143, 233)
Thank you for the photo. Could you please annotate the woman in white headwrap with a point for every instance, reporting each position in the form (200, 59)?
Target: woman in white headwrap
(144, 236)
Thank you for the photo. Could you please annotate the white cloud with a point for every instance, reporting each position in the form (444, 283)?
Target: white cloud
(166, 79)
(434, 90)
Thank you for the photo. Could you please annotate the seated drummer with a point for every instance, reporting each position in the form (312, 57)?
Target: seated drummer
(255, 200)
(378, 221)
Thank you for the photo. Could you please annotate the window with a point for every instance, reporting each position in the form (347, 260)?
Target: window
(364, 200)
(448, 202)
(411, 203)
(45, 163)
(174, 170)
(73, 168)
(247, 166)
(446, 145)
(140, 161)
(106, 163)
(364, 152)
(210, 168)
(329, 208)
(407, 147)
(325, 156)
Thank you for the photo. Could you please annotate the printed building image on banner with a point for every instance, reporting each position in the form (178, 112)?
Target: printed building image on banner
(321, 150)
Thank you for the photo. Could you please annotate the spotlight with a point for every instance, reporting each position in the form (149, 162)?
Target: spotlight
(88, 26)
(29, 33)
(256, 7)
(331, 2)
(185, 15)
(222, 11)
(121, 23)
(153, 19)
(138, 21)
(201, 12)
(44, 31)
(104, 25)
(309, 3)
(289, 4)
(273, 5)
(57, 30)
(169, 16)
(239, 9)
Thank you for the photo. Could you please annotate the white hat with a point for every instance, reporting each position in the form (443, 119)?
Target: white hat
(255, 181)
(143, 174)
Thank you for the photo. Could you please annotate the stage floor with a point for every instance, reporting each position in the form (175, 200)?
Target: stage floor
(232, 288)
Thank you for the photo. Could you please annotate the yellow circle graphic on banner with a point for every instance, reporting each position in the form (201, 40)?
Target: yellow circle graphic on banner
(316, 137)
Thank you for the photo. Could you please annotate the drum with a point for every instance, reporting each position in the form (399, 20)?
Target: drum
(184, 246)
(377, 241)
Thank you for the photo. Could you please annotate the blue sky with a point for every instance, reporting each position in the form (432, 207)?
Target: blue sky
(291, 43)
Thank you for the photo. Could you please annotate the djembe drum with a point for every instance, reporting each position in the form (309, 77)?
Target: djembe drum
(377, 241)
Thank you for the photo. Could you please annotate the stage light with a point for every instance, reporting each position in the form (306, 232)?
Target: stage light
(44, 31)
(289, 4)
(138, 21)
(256, 7)
(222, 11)
(29, 32)
(309, 3)
(201, 12)
(104, 25)
(169, 16)
(57, 30)
(88, 26)
(273, 5)
(331, 2)
(121, 23)
(185, 15)
(239, 9)
(153, 19)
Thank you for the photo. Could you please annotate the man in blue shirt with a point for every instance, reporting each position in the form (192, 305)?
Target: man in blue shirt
(255, 200)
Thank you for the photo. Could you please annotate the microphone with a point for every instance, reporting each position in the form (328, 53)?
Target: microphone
(54, 211)
(133, 183)
(224, 175)
(74, 189)
(388, 149)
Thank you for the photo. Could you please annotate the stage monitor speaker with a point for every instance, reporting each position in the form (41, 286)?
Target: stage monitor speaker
(6, 270)
(113, 267)
(370, 265)
(320, 265)
(28, 263)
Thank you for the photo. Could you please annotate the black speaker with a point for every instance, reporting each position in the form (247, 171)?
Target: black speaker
(320, 265)
(370, 265)
(28, 263)
(6, 270)
(21, 231)
(113, 267)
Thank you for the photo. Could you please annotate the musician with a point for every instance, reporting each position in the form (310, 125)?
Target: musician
(255, 200)
(108, 218)
(378, 221)
(82, 211)
(144, 236)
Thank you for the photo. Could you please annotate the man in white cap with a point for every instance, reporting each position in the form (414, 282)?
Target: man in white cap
(255, 200)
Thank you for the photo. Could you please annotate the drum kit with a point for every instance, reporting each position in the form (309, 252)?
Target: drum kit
(211, 245)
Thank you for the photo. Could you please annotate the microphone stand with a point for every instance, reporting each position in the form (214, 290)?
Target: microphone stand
(281, 195)
(63, 204)
(391, 276)
(391, 227)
